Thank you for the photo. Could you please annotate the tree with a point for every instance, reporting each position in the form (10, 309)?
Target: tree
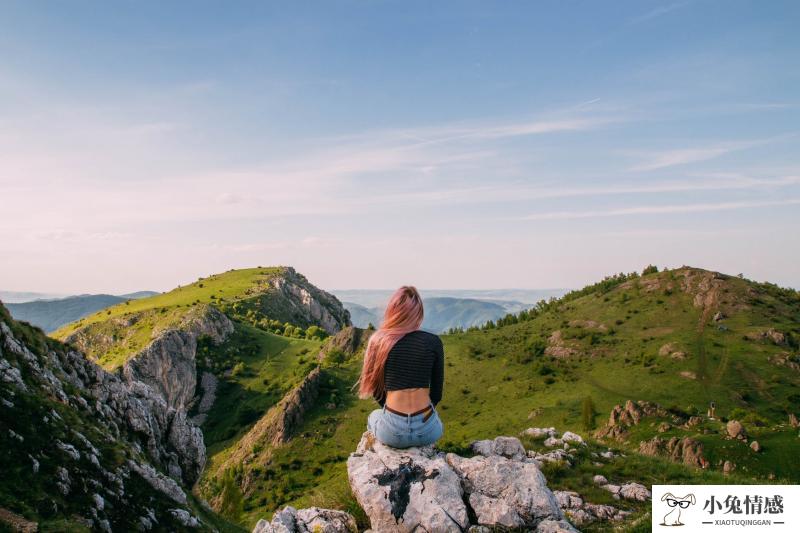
(588, 413)
(649, 269)
(335, 357)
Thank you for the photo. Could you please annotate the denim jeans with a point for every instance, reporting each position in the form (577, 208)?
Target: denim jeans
(402, 431)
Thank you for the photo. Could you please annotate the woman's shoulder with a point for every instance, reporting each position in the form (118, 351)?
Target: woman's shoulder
(426, 336)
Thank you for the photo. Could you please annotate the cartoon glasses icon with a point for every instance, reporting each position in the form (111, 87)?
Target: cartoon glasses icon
(674, 503)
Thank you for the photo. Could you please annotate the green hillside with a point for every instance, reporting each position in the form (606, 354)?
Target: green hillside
(681, 338)
(114, 334)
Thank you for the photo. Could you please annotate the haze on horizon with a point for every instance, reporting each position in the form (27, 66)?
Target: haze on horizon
(369, 145)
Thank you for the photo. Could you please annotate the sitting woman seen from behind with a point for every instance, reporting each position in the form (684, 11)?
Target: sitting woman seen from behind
(404, 372)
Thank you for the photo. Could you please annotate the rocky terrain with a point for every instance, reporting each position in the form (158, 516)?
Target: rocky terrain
(678, 376)
(500, 487)
(82, 445)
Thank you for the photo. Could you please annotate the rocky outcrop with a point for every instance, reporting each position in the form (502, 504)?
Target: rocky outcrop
(420, 489)
(402, 490)
(280, 422)
(349, 340)
(671, 349)
(735, 430)
(582, 513)
(623, 417)
(311, 520)
(168, 363)
(92, 439)
(559, 347)
(304, 304)
(769, 335)
(686, 450)
(208, 394)
(276, 427)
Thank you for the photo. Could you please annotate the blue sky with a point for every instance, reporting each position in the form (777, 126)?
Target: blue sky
(370, 144)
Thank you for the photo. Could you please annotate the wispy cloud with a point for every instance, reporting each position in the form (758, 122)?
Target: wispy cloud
(683, 156)
(657, 210)
(657, 12)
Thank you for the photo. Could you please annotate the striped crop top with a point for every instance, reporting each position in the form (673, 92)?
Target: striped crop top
(416, 360)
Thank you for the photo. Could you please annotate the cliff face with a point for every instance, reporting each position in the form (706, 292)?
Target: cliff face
(168, 363)
(78, 441)
(299, 302)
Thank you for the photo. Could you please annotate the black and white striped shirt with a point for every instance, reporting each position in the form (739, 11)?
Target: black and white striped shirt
(416, 360)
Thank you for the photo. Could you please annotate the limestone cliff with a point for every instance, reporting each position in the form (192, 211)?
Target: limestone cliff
(82, 443)
(168, 363)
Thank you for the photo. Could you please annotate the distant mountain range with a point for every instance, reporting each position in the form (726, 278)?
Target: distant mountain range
(445, 309)
(51, 314)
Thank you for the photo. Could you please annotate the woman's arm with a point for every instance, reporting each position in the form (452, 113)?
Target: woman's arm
(437, 372)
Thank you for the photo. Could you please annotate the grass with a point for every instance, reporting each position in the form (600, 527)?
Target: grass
(112, 335)
(498, 381)
(266, 367)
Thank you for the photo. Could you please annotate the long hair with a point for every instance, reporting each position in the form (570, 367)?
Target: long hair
(403, 315)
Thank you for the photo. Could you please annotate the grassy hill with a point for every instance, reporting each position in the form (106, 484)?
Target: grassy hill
(681, 338)
(251, 296)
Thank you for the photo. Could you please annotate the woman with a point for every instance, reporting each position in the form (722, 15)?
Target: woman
(404, 372)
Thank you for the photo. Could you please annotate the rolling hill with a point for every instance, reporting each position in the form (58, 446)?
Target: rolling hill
(264, 363)
(441, 313)
(678, 339)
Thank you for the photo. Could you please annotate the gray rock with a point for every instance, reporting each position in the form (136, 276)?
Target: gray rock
(159, 482)
(540, 432)
(185, 518)
(555, 526)
(634, 491)
(509, 447)
(505, 492)
(167, 364)
(569, 436)
(402, 490)
(310, 520)
(600, 480)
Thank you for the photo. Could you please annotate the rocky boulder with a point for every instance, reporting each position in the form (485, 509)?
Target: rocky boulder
(686, 450)
(735, 430)
(505, 492)
(406, 490)
(311, 520)
(422, 489)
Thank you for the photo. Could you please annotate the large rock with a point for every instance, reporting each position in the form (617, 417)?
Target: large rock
(506, 492)
(686, 450)
(304, 304)
(420, 489)
(311, 520)
(413, 489)
(167, 364)
(735, 430)
(509, 447)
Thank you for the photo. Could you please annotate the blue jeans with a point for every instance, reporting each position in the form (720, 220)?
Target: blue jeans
(402, 431)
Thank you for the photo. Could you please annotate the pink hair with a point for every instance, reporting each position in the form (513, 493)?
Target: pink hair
(403, 315)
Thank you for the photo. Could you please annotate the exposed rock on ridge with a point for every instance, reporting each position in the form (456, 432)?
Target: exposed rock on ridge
(91, 440)
(308, 304)
(420, 489)
(168, 363)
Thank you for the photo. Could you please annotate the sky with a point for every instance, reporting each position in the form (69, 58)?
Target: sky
(371, 144)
